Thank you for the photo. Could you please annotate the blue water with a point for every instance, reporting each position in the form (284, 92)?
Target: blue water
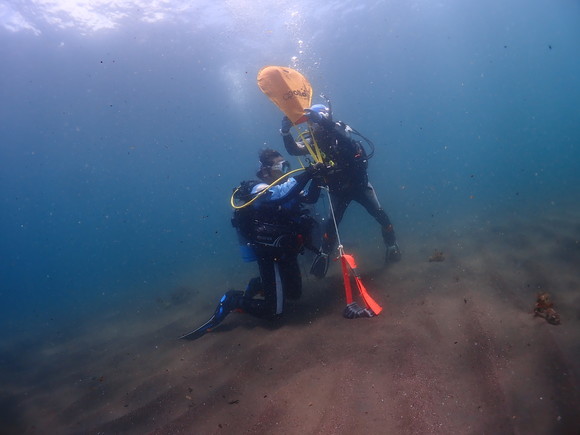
(121, 138)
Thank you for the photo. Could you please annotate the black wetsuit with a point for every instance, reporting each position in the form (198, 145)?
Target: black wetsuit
(347, 179)
(277, 228)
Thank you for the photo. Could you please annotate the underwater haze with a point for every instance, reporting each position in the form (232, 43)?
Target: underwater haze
(125, 125)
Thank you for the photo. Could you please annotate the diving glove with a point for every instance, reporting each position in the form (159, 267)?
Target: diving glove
(286, 126)
(316, 170)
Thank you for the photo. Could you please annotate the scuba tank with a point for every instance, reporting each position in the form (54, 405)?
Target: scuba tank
(242, 220)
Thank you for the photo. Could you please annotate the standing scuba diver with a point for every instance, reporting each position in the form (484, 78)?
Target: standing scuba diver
(346, 177)
(273, 228)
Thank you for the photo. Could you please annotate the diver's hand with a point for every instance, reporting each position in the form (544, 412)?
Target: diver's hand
(286, 126)
(316, 170)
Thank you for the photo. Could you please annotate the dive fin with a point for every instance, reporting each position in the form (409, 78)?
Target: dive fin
(355, 311)
(196, 333)
(228, 302)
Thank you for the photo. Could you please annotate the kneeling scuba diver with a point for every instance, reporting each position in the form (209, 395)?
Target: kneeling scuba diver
(273, 228)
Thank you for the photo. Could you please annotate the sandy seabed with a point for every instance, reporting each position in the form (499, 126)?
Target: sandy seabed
(457, 350)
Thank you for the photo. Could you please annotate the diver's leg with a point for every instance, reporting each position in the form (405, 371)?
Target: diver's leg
(290, 276)
(254, 287)
(329, 238)
(367, 197)
(271, 283)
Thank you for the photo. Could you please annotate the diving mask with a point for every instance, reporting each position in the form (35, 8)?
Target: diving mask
(282, 166)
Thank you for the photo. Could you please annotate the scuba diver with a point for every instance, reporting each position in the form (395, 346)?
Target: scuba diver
(346, 177)
(273, 228)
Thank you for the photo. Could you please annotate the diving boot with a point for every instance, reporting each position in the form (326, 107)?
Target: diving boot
(229, 302)
(254, 288)
(319, 265)
(393, 253)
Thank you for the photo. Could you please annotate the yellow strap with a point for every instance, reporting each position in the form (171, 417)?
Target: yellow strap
(313, 150)
(237, 207)
(316, 147)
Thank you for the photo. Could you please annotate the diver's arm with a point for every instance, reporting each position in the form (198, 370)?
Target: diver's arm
(283, 192)
(313, 192)
(314, 173)
(291, 188)
(292, 147)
